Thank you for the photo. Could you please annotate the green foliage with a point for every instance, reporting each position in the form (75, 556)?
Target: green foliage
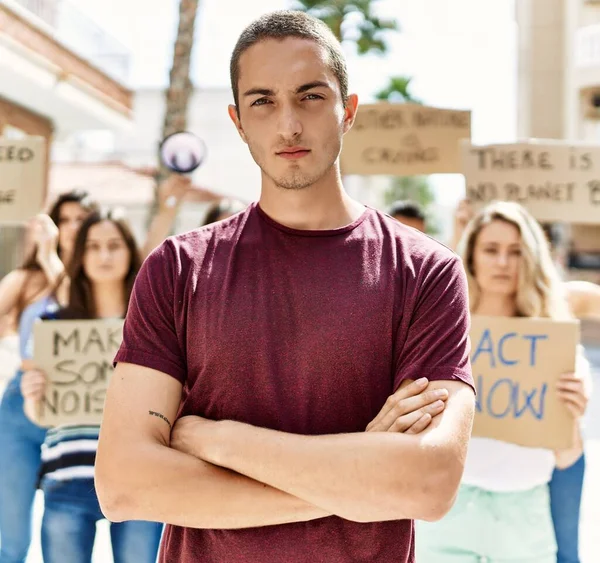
(398, 90)
(366, 31)
(414, 188)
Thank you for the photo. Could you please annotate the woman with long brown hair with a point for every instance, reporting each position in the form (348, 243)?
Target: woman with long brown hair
(27, 293)
(102, 271)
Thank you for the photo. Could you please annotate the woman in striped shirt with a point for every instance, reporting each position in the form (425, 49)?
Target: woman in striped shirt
(102, 271)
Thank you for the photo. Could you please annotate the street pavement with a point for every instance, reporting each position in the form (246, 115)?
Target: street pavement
(590, 524)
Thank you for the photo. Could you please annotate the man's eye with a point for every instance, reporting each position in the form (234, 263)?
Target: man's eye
(261, 102)
(313, 97)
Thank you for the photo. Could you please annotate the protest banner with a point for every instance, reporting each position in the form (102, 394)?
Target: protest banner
(516, 363)
(22, 178)
(405, 140)
(554, 180)
(77, 358)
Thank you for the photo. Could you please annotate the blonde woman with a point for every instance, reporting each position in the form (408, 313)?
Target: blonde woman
(566, 486)
(502, 513)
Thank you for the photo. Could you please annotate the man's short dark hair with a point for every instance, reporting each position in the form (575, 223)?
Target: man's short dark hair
(408, 209)
(281, 25)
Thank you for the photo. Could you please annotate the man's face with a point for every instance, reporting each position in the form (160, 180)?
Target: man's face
(413, 222)
(291, 113)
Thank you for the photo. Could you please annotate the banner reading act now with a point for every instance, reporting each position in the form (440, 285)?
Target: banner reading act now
(517, 363)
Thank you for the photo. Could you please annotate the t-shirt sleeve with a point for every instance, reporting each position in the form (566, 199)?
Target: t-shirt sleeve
(149, 334)
(434, 343)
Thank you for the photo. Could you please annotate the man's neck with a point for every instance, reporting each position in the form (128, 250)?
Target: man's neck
(323, 206)
(110, 300)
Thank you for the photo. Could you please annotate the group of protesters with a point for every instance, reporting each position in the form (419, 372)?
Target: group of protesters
(294, 380)
(82, 265)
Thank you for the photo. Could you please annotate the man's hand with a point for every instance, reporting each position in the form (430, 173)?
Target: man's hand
(411, 409)
(187, 432)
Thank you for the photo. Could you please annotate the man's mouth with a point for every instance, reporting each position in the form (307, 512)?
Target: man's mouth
(293, 153)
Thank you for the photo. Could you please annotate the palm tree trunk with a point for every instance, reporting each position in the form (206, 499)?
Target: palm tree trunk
(180, 85)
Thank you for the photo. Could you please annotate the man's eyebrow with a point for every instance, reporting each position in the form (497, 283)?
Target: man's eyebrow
(311, 85)
(259, 91)
(300, 90)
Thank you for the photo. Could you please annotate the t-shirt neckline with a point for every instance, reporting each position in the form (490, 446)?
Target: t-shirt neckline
(312, 233)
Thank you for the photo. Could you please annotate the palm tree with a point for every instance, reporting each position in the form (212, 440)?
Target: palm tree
(368, 31)
(398, 90)
(180, 85)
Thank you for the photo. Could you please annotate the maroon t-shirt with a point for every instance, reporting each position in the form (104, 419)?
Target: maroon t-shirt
(306, 332)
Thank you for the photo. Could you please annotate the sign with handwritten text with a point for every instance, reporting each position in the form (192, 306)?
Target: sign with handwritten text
(405, 140)
(554, 180)
(22, 178)
(516, 364)
(77, 358)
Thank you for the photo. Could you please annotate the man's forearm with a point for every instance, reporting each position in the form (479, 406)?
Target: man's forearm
(361, 477)
(154, 482)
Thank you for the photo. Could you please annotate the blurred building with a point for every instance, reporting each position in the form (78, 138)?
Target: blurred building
(60, 73)
(559, 93)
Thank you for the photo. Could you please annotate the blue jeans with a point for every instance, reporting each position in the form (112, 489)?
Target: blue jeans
(565, 501)
(69, 527)
(20, 459)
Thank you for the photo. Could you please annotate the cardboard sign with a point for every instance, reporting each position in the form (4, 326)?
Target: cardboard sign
(77, 358)
(554, 180)
(405, 140)
(516, 364)
(22, 178)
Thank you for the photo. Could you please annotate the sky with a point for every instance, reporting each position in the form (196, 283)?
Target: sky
(461, 54)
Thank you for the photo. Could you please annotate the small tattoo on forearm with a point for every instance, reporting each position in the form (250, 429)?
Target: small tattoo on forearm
(161, 416)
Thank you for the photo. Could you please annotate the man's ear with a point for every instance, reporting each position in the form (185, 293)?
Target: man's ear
(350, 112)
(233, 114)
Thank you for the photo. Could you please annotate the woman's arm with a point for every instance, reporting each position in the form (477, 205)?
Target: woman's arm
(170, 194)
(10, 289)
(462, 216)
(45, 237)
(584, 299)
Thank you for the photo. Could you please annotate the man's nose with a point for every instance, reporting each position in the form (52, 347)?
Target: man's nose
(289, 125)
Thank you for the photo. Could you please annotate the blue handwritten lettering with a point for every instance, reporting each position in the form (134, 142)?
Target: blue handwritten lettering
(486, 338)
(501, 349)
(534, 338)
(490, 398)
(529, 397)
(479, 387)
(506, 398)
